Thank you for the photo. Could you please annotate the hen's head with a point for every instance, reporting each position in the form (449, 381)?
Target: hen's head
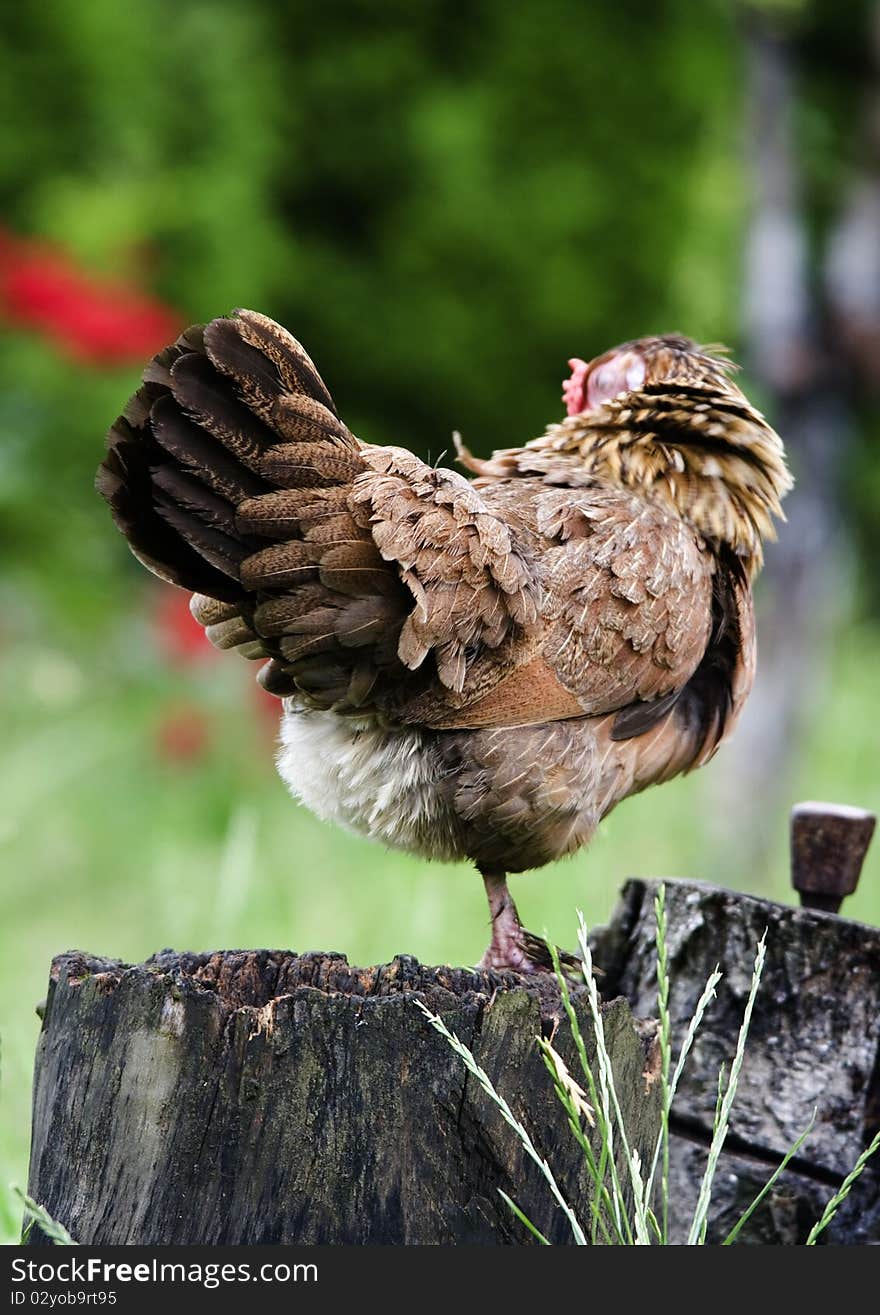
(642, 365)
(664, 417)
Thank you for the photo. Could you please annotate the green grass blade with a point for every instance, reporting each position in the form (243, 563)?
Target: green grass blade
(605, 1074)
(665, 1052)
(602, 1196)
(693, 1026)
(640, 1210)
(523, 1218)
(699, 1223)
(607, 1093)
(508, 1115)
(843, 1192)
(783, 1164)
(56, 1232)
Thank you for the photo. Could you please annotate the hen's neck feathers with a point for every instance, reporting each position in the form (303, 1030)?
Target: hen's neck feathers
(697, 446)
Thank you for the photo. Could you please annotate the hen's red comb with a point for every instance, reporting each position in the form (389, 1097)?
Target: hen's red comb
(573, 394)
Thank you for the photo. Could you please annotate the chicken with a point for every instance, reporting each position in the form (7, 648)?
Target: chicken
(470, 669)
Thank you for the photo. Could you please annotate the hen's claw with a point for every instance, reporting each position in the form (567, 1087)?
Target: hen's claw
(513, 948)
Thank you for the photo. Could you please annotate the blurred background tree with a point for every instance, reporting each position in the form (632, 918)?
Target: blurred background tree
(443, 210)
(444, 203)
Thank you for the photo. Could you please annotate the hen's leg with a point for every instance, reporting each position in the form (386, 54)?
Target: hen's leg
(512, 948)
(506, 949)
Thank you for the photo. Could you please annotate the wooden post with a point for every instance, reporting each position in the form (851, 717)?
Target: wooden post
(828, 847)
(263, 1097)
(814, 1045)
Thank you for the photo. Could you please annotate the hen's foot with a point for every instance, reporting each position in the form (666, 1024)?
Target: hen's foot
(512, 948)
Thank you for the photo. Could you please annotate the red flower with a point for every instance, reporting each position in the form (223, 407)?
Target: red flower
(99, 321)
(182, 735)
(180, 636)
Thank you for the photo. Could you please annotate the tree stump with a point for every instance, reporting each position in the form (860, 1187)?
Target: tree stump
(259, 1097)
(814, 1044)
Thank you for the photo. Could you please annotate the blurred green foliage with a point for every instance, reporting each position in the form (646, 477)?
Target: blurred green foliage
(443, 210)
(444, 205)
(444, 202)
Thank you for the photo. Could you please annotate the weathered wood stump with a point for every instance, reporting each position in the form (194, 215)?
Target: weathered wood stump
(263, 1097)
(814, 1044)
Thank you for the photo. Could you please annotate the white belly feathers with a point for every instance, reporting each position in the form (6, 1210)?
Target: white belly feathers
(379, 783)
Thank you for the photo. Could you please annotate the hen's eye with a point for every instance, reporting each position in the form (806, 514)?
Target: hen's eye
(607, 377)
(621, 374)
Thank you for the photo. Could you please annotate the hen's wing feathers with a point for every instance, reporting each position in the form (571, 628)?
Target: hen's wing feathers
(713, 699)
(628, 608)
(472, 588)
(639, 717)
(231, 475)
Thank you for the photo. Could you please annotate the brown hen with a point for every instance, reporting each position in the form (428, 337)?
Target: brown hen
(470, 669)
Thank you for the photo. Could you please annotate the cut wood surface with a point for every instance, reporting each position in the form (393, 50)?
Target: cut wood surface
(265, 1097)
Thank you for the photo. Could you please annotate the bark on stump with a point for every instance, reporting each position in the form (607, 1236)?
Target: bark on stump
(814, 1043)
(263, 1097)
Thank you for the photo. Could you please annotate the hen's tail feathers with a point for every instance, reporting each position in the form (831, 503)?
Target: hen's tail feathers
(346, 565)
(229, 473)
